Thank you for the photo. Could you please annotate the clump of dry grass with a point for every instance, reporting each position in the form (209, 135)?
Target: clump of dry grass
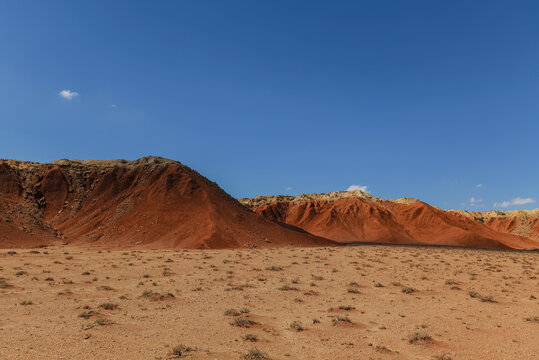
(340, 319)
(255, 354)
(288, 288)
(181, 350)
(88, 314)
(104, 287)
(274, 268)
(443, 356)
(108, 306)
(231, 312)
(155, 296)
(483, 298)
(103, 321)
(4, 284)
(250, 337)
(234, 312)
(243, 322)
(420, 338)
(296, 325)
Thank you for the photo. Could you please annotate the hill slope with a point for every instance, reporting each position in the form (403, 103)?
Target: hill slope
(150, 202)
(518, 222)
(355, 216)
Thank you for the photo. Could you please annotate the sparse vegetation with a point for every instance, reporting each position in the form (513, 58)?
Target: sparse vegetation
(476, 295)
(4, 284)
(250, 337)
(243, 322)
(104, 287)
(255, 354)
(381, 349)
(181, 350)
(155, 296)
(232, 312)
(108, 306)
(88, 314)
(443, 356)
(296, 325)
(103, 321)
(288, 288)
(420, 338)
(269, 314)
(274, 268)
(340, 319)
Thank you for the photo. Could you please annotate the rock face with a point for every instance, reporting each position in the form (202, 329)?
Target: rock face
(151, 202)
(518, 222)
(355, 216)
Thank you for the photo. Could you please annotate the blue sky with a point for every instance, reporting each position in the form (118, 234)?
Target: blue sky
(437, 100)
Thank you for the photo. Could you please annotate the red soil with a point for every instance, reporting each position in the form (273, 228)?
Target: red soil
(152, 203)
(368, 219)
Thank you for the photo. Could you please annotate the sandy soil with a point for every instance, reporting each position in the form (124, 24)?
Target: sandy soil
(364, 302)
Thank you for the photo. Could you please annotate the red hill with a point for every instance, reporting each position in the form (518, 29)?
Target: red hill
(151, 202)
(354, 216)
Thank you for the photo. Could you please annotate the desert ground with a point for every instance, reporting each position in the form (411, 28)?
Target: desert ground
(362, 302)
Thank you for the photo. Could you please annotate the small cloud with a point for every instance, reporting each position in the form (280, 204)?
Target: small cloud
(475, 202)
(358, 187)
(68, 94)
(288, 188)
(515, 201)
(479, 185)
(114, 106)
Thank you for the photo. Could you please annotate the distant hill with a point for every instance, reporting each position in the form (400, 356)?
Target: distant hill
(355, 216)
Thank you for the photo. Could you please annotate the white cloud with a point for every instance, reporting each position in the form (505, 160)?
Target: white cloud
(475, 202)
(479, 185)
(358, 187)
(68, 94)
(288, 188)
(515, 201)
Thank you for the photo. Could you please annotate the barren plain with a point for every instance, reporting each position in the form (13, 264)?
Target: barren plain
(362, 302)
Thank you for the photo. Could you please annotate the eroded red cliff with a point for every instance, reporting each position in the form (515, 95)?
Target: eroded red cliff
(151, 202)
